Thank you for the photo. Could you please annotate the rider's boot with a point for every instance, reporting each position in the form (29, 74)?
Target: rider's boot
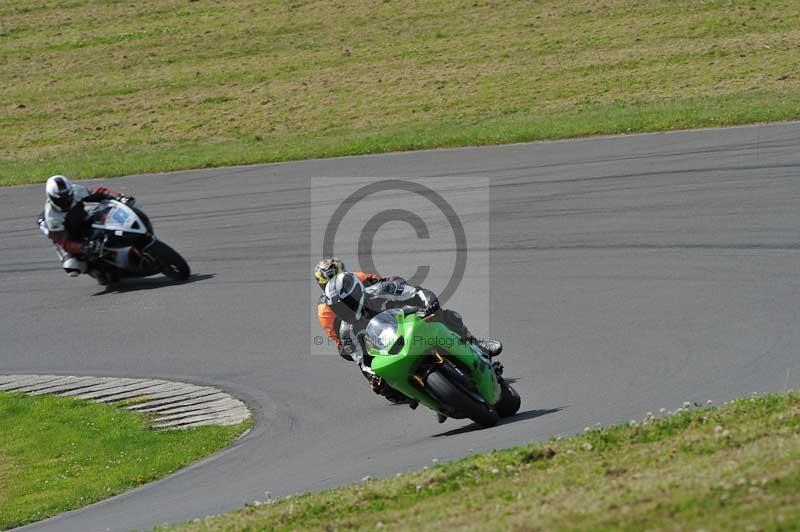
(492, 348)
(441, 418)
(453, 319)
(73, 266)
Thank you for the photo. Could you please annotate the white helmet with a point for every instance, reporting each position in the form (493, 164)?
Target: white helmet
(345, 294)
(59, 192)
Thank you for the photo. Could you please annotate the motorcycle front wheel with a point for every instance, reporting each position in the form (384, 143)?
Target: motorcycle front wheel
(170, 261)
(509, 401)
(449, 394)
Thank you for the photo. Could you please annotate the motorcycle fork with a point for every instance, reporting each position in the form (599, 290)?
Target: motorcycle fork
(421, 374)
(135, 259)
(439, 360)
(145, 261)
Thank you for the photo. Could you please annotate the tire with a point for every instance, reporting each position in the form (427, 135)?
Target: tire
(170, 261)
(448, 393)
(509, 402)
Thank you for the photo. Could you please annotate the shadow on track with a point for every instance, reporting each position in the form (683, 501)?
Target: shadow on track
(150, 283)
(519, 416)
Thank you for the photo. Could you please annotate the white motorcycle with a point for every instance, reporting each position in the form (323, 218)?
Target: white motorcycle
(125, 244)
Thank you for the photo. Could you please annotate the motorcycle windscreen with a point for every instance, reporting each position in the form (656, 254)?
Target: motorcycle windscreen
(381, 331)
(117, 218)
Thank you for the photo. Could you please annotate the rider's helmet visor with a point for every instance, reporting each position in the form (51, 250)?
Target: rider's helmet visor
(62, 201)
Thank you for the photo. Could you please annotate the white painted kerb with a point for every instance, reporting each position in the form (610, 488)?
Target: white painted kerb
(174, 405)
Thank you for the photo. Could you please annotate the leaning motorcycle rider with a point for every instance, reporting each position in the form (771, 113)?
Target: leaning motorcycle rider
(325, 270)
(355, 305)
(64, 221)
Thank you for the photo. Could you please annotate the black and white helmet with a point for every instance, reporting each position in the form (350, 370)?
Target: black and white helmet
(59, 192)
(345, 294)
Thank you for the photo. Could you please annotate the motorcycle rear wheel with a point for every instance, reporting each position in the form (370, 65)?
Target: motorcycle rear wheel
(170, 261)
(450, 394)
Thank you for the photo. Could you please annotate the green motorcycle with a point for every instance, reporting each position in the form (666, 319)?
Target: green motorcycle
(428, 362)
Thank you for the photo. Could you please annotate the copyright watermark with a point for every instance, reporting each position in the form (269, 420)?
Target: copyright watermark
(432, 232)
(416, 340)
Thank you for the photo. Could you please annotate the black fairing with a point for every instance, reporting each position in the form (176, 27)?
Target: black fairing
(144, 218)
(126, 239)
(115, 239)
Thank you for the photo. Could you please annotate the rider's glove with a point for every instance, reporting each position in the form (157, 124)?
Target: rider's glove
(421, 312)
(127, 200)
(346, 353)
(429, 310)
(411, 309)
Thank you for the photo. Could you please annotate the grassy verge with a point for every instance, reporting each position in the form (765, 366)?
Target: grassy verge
(735, 467)
(102, 87)
(57, 454)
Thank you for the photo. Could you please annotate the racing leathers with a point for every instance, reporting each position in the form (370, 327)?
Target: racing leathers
(68, 229)
(328, 320)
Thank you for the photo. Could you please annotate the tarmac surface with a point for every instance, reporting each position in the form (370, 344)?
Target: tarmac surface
(627, 274)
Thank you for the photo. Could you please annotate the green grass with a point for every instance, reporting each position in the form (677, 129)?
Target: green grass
(57, 454)
(732, 468)
(102, 88)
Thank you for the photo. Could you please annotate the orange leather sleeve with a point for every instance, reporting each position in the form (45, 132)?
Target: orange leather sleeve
(326, 320)
(367, 277)
(326, 317)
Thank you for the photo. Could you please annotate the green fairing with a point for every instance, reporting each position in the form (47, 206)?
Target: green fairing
(419, 337)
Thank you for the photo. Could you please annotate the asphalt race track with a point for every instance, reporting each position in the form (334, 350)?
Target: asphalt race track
(627, 274)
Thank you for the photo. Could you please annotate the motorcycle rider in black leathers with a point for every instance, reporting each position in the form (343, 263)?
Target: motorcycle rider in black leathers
(356, 305)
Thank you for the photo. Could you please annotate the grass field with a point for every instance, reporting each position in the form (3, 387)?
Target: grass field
(732, 468)
(57, 454)
(104, 87)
